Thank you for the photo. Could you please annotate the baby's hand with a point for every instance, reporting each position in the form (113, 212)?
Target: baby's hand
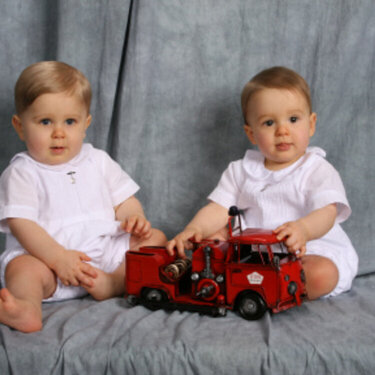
(72, 269)
(295, 236)
(138, 225)
(182, 241)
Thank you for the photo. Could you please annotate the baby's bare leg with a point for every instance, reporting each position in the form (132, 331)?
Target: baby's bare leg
(28, 282)
(157, 239)
(108, 285)
(322, 275)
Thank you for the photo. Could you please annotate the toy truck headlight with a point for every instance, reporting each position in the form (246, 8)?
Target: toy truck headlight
(292, 288)
(219, 279)
(194, 276)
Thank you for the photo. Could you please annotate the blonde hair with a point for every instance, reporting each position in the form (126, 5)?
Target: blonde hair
(277, 77)
(48, 77)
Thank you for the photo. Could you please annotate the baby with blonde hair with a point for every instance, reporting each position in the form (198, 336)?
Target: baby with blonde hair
(68, 210)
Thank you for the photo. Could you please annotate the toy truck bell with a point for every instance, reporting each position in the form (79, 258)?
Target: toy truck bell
(233, 211)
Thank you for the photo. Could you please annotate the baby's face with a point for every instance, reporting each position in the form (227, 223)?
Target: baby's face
(280, 124)
(53, 127)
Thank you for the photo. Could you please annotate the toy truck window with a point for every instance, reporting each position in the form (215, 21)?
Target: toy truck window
(255, 254)
(261, 255)
(279, 249)
(246, 253)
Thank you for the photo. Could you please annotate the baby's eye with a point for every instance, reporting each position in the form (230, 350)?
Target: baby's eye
(268, 123)
(70, 121)
(293, 119)
(45, 121)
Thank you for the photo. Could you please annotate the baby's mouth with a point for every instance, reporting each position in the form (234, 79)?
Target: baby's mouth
(283, 146)
(57, 149)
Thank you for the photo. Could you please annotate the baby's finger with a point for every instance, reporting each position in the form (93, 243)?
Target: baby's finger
(302, 252)
(84, 257)
(181, 252)
(180, 247)
(71, 281)
(198, 237)
(138, 226)
(279, 228)
(170, 245)
(85, 281)
(294, 248)
(284, 233)
(129, 224)
(89, 270)
(74, 282)
(188, 245)
(144, 229)
(65, 282)
(147, 227)
(296, 245)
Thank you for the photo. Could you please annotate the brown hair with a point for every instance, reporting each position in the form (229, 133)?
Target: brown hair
(277, 77)
(48, 77)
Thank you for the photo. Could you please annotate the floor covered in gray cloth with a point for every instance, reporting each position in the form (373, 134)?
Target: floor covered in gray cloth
(327, 336)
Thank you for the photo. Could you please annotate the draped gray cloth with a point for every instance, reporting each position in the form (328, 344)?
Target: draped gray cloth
(167, 77)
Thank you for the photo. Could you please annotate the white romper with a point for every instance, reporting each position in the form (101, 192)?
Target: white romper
(74, 202)
(271, 198)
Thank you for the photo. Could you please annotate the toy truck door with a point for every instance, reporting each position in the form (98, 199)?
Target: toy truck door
(253, 270)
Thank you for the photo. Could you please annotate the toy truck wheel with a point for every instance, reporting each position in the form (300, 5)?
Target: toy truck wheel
(132, 300)
(154, 295)
(251, 306)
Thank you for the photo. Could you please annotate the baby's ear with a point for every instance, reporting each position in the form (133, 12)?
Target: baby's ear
(250, 134)
(17, 125)
(312, 124)
(88, 121)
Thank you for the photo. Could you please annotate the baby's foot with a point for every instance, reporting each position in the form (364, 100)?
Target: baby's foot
(106, 285)
(19, 314)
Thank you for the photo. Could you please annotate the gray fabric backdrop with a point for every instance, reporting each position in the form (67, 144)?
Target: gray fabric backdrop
(167, 77)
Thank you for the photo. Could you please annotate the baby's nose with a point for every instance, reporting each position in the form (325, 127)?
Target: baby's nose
(282, 128)
(58, 132)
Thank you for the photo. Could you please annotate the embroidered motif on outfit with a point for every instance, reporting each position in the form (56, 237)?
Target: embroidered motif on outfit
(71, 174)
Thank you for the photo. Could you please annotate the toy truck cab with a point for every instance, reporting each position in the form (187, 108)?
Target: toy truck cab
(262, 275)
(250, 273)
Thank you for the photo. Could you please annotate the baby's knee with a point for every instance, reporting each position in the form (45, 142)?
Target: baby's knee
(158, 237)
(31, 269)
(22, 264)
(321, 276)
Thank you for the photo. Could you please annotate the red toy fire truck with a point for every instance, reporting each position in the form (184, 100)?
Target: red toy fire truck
(249, 273)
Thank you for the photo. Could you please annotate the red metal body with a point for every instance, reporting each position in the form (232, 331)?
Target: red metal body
(250, 273)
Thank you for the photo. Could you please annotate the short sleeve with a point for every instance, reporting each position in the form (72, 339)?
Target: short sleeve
(227, 191)
(324, 186)
(18, 194)
(120, 184)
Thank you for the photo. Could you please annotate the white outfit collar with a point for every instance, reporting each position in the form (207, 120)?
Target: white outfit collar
(73, 163)
(253, 164)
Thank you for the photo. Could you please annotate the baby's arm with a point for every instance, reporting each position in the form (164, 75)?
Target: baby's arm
(69, 265)
(131, 213)
(310, 227)
(208, 220)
